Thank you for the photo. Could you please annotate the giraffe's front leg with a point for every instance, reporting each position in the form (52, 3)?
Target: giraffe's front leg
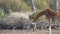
(34, 26)
(50, 22)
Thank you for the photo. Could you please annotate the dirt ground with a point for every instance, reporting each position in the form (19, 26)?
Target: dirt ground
(28, 32)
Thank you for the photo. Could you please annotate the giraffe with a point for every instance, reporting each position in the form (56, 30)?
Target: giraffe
(51, 15)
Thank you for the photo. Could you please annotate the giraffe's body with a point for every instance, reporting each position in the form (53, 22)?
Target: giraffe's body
(50, 14)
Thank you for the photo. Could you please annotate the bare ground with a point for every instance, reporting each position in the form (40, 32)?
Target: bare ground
(28, 32)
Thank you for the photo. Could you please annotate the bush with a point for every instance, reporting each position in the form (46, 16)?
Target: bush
(1, 13)
(38, 27)
(31, 16)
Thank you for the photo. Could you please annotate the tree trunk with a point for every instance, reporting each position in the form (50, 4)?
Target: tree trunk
(33, 9)
(56, 5)
(32, 5)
